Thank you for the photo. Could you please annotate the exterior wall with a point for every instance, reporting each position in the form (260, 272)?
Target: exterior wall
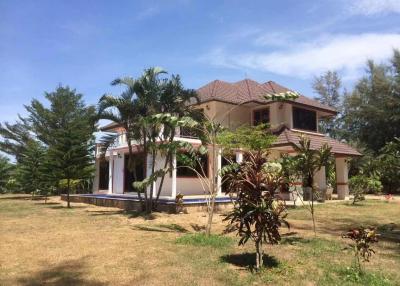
(233, 116)
(229, 115)
(189, 186)
(167, 184)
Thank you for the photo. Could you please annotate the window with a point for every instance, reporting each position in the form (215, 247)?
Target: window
(260, 116)
(103, 175)
(304, 119)
(183, 171)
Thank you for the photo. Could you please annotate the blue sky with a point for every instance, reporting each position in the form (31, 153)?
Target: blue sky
(86, 44)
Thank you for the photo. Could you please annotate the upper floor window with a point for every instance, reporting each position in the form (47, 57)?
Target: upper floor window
(260, 116)
(304, 119)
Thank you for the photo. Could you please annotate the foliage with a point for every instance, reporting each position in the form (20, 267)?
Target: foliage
(246, 138)
(308, 161)
(150, 109)
(66, 127)
(361, 184)
(389, 165)
(362, 238)
(15, 137)
(372, 110)
(31, 168)
(6, 169)
(201, 239)
(257, 213)
(329, 89)
(282, 96)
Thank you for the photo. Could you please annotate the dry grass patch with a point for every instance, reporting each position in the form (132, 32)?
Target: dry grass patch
(88, 245)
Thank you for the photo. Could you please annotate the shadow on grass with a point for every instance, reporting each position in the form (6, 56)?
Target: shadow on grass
(20, 197)
(247, 260)
(128, 214)
(67, 273)
(198, 228)
(162, 228)
(47, 204)
(59, 206)
(295, 240)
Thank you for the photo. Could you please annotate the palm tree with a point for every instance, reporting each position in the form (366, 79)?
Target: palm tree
(135, 110)
(308, 162)
(124, 111)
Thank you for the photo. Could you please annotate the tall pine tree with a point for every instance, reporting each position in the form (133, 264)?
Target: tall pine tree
(66, 127)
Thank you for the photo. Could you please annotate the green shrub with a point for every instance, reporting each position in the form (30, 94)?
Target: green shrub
(201, 239)
(362, 184)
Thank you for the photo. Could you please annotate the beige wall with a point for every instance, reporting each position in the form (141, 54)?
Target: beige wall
(229, 115)
(233, 116)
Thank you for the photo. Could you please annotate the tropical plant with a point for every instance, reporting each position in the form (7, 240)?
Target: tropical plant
(150, 110)
(362, 238)
(308, 162)
(258, 213)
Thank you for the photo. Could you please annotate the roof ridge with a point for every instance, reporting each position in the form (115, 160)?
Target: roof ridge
(248, 88)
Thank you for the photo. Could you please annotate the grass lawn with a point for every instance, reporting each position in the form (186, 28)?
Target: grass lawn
(88, 245)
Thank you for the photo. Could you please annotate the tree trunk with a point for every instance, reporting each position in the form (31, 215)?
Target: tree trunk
(214, 186)
(68, 191)
(153, 162)
(311, 182)
(167, 162)
(259, 255)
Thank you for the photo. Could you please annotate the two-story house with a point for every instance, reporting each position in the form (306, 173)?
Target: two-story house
(233, 105)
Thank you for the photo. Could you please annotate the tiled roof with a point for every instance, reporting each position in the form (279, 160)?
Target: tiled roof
(290, 137)
(248, 90)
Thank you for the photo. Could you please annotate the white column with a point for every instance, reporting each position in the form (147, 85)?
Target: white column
(219, 166)
(111, 172)
(173, 183)
(342, 178)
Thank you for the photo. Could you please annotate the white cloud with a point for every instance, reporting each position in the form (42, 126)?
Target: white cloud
(371, 7)
(345, 53)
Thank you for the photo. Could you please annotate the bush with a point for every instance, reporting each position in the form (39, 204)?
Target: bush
(361, 185)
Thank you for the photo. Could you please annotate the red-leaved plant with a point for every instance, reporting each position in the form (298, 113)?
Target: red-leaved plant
(363, 238)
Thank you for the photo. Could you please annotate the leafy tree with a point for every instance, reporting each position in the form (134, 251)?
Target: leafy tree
(389, 165)
(6, 169)
(372, 110)
(329, 89)
(66, 128)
